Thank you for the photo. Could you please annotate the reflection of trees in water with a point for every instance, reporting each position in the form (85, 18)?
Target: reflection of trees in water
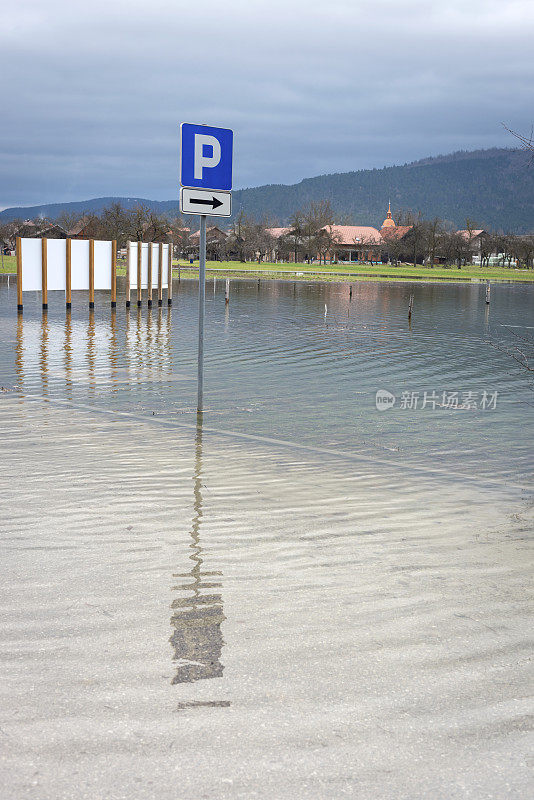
(197, 639)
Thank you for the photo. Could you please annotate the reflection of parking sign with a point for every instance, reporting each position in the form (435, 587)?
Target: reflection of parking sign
(206, 158)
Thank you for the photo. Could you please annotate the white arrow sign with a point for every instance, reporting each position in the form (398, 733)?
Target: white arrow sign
(204, 201)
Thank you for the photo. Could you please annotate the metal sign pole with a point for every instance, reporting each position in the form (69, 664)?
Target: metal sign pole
(206, 155)
(201, 303)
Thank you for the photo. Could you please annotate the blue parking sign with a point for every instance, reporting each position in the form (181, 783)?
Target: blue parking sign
(206, 157)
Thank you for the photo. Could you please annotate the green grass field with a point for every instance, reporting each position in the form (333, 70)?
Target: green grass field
(335, 272)
(342, 272)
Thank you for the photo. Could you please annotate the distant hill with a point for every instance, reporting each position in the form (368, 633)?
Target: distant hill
(494, 188)
(94, 206)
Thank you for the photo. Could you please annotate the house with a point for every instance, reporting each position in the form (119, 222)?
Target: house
(346, 244)
(276, 233)
(215, 241)
(42, 229)
(395, 242)
(395, 238)
(349, 244)
(53, 231)
(85, 228)
(282, 242)
(338, 243)
(476, 239)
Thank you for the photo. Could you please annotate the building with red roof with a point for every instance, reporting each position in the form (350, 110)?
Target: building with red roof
(346, 244)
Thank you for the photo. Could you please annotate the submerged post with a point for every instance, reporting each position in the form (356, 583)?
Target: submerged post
(201, 303)
(19, 275)
(169, 275)
(227, 292)
(139, 262)
(128, 247)
(488, 289)
(149, 279)
(68, 275)
(91, 274)
(410, 307)
(114, 273)
(160, 274)
(44, 273)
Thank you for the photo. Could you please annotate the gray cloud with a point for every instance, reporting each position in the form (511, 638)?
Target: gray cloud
(93, 93)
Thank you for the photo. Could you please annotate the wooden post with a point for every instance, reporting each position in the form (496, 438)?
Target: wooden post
(488, 289)
(68, 275)
(160, 275)
(169, 276)
(44, 273)
(139, 257)
(149, 282)
(19, 275)
(350, 293)
(91, 273)
(128, 248)
(410, 307)
(227, 292)
(113, 274)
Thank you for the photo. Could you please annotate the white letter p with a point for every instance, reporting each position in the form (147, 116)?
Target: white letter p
(201, 160)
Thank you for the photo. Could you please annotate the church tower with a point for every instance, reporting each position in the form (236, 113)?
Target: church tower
(389, 222)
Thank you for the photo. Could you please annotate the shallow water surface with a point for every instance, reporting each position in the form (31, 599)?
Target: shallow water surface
(297, 595)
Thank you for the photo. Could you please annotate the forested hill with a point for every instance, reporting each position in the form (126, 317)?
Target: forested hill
(493, 188)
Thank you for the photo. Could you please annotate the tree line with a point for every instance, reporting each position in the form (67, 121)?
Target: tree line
(311, 235)
(436, 241)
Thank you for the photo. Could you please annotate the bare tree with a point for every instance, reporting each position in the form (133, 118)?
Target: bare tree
(297, 224)
(326, 240)
(520, 347)
(180, 234)
(157, 228)
(417, 238)
(523, 251)
(115, 222)
(434, 233)
(68, 219)
(137, 219)
(307, 225)
(527, 142)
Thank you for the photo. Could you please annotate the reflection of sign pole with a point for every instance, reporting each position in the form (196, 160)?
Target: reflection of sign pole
(201, 303)
(206, 178)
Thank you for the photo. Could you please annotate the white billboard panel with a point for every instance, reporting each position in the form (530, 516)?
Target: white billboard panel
(144, 265)
(103, 265)
(31, 260)
(56, 250)
(79, 264)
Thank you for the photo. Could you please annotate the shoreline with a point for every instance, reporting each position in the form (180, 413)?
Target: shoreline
(322, 274)
(338, 277)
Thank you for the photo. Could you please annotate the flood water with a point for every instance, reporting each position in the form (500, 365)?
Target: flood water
(298, 595)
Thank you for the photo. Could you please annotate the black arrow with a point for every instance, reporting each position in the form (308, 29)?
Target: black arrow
(214, 202)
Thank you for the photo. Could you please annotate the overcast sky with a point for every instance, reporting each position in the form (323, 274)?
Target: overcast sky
(93, 92)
